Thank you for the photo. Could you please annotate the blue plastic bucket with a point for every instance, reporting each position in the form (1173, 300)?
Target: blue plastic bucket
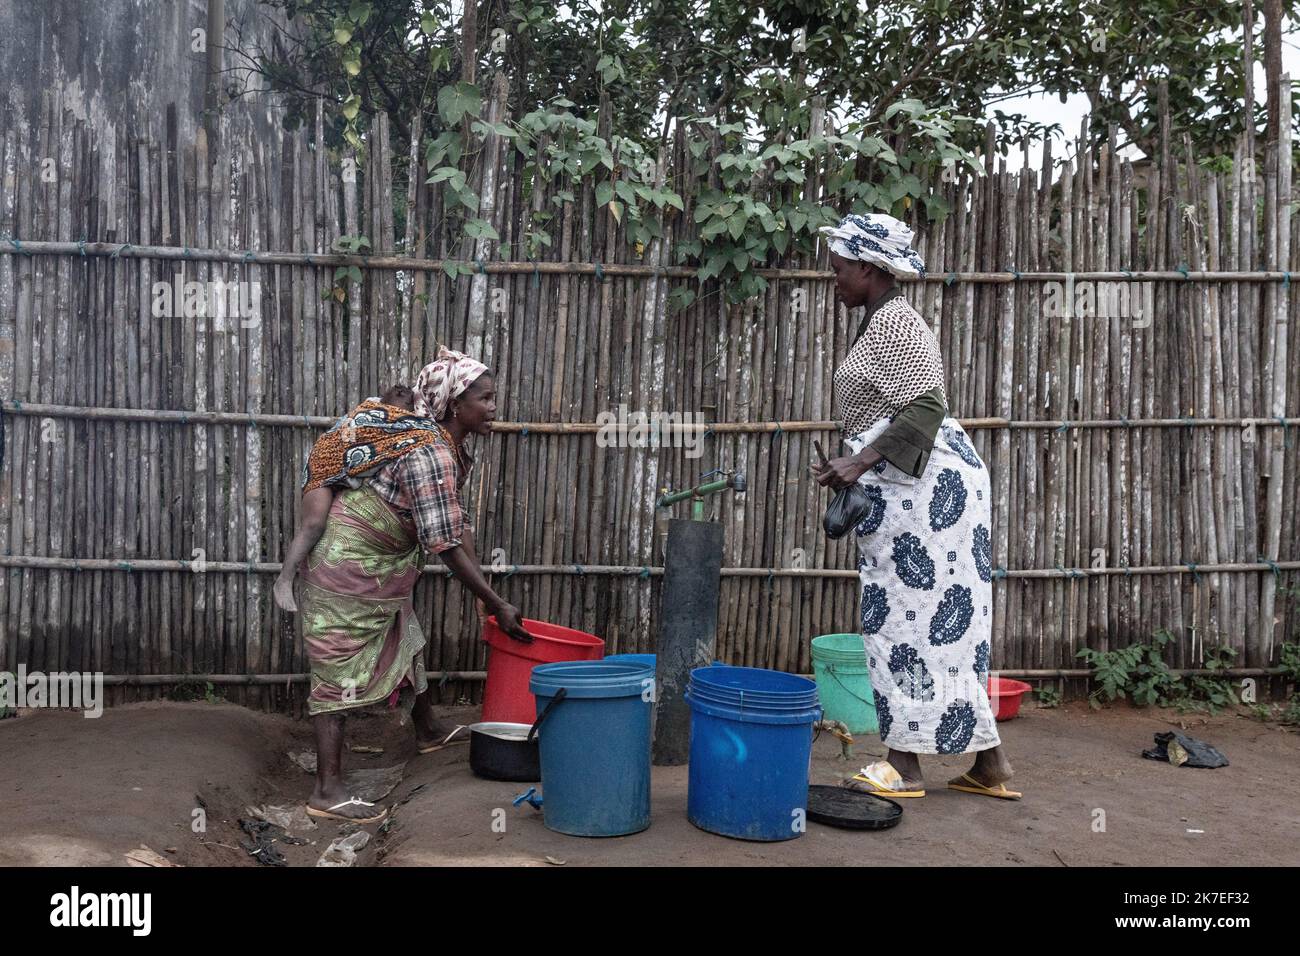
(649, 659)
(595, 746)
(751, 739)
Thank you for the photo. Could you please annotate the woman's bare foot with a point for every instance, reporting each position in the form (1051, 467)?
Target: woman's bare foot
(906, 765)
(431, 732)
(283, 592)
(328, 799)
(991, 768)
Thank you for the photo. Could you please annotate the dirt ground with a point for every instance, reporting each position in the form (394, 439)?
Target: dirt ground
(85, 792)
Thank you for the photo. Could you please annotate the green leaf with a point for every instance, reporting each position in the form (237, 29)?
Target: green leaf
(352, 66)
(458, 99)
(451, 268)
(342, 32)
(681, 297)
(428, 24)
(359, 13)
(444, 173)
(713, 228)
(604, 193)
(717, 262)
(736, 224)
(351, 106)
(625, 192)
(616, 210)
(480, 229)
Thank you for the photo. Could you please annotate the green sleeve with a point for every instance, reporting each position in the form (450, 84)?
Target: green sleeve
(907, 442)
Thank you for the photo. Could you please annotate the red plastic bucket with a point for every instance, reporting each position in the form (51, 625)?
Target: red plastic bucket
(506, 696)
(1004, 695)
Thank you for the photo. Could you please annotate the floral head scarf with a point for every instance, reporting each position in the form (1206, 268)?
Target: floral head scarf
(443, 379)
(879, 239)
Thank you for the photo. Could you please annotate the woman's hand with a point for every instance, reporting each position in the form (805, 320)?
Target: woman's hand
(839, 472)
(508, 620)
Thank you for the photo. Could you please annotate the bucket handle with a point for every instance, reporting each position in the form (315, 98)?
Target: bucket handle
(830, 669)
(560, 694)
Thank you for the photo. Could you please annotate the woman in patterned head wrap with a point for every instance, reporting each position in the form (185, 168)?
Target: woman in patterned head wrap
(363, 639)
(924, 559)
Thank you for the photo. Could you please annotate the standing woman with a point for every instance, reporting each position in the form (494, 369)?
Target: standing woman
(924, 556)
(363, 640)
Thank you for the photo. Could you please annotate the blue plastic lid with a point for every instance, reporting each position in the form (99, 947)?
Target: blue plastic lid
(754, 681)
(593, 679)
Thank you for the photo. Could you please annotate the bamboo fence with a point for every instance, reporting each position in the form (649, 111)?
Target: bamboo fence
(1143, 467)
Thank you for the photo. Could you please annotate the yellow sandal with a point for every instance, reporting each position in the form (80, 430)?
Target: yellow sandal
(884, 780)
(1000, 790)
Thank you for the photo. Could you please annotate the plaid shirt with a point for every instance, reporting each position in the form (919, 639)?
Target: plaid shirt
(424, 486)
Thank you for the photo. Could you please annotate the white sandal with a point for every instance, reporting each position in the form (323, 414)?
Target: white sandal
(446, 741)
(350, 802)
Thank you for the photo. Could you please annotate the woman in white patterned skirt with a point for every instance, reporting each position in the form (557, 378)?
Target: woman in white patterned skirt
(924, 556)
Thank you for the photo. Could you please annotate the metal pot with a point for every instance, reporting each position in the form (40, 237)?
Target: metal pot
(504, 751)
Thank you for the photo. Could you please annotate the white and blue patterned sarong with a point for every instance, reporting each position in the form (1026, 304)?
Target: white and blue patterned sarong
(925, 563)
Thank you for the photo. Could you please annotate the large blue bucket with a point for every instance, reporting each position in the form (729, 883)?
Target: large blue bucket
(751, 739)
(595, 746)
(648, 659)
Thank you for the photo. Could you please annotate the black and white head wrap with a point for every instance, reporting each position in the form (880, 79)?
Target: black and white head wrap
(876, 238)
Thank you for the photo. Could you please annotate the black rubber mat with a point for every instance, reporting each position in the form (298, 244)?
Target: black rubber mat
(850, 810)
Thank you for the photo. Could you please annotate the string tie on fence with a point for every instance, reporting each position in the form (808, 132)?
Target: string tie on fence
(1192, 566)
(1286, 438)
(1127, 272)
(1187, 420)
(125, 566)
(582, 572)
(482, 269)
(1015, 273)
(185, 253)
(1182, 268)
(442, 681)
(777, 433)
(523, 432)
(537, 276)
(644, 572)
(1286, 280)
(1127, 423)
(950, 278)
(248, 255)
(1128, 572)
(509, 571)
(81, 246)
(999, 572)
(18, 246)
(120, 249)
(1063, 427)
(1272, 566)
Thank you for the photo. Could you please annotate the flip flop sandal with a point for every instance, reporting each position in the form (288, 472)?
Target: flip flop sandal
(446, 741)
(1000, 791)
(884, 781)
(350, 802)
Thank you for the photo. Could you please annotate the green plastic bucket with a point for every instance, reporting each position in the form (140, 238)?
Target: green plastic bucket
(843, 681)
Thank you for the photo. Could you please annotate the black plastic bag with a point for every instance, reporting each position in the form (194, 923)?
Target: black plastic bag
(849, 506)
(1183, 751)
